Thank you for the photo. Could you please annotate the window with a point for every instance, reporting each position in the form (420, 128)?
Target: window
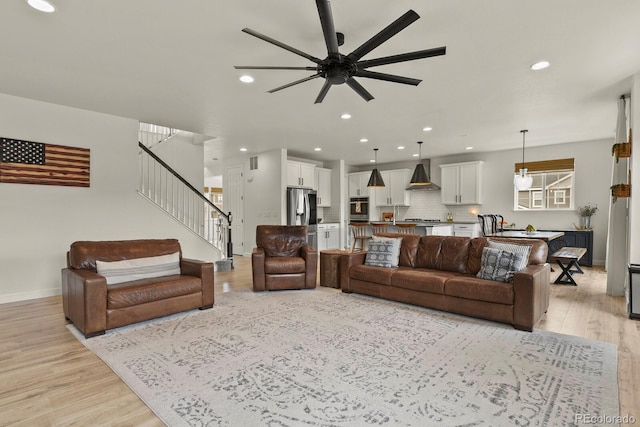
(552, 188)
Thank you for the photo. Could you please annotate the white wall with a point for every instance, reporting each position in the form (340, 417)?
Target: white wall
(39, 222)
(183, 155)
(634, 200)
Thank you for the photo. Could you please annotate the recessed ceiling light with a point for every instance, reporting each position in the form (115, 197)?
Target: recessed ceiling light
(372, 161)
(41, 5)
(427, 129)
(401, 147)
(243, 149)
(468, 148)
(317, 149)
(540, 65)
(415, 155)
(364, 140)
(345, 116)
(246, 79)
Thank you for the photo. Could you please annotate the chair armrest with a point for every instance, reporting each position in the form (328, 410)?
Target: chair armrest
(257, 268)
(310, 256)
(84, 300)
(531, 295)
(203, 270)
(346, 262)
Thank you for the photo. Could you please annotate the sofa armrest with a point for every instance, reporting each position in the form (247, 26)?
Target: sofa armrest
(310, 256)
(257, 268)
(84, 300)
(346, 262)
(203, 270)
(531, 295)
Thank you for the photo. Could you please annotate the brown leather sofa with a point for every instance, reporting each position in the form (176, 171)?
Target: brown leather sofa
(283, 259)
(440, 272)
(94, 307)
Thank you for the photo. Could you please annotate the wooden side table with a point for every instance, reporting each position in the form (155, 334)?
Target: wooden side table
(330, 267)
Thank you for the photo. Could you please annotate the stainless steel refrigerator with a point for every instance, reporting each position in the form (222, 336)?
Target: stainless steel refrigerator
(302, 210)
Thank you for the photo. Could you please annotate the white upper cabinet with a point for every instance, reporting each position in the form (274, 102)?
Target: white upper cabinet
(301, 174)
(323, 183)
(462, 183)
(358, 184)
(394, 191)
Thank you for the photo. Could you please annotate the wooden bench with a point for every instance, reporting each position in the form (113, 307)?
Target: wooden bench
(567, 258)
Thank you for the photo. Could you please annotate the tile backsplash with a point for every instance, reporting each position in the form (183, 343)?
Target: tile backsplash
(428, 205)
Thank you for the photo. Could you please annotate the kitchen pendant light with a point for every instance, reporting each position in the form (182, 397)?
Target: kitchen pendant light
(420, 174)
(523, 181)
(376, 179)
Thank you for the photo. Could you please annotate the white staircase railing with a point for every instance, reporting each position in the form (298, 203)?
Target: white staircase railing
(151, 135)
(160, 184)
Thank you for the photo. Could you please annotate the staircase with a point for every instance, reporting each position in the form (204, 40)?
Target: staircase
(165, 188)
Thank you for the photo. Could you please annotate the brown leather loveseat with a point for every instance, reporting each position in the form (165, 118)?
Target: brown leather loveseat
(283, 259)
(440, 272)
(94, 306)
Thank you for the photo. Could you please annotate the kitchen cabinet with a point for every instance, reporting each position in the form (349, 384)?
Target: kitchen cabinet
(467, 230)
(575, 239)
(301, 174)
(394, 192)
(461, 183)
(328, 236)
(358, 184)
(441, 230)
(323, 186)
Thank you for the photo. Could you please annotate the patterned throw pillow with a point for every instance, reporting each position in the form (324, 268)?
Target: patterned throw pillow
(383, 252)
(498, 265)
(139, 268)
(524, 250)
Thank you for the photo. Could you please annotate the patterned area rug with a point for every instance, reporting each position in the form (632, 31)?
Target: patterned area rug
(324, 358)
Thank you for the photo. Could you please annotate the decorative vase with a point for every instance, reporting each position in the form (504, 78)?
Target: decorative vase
(586, 222)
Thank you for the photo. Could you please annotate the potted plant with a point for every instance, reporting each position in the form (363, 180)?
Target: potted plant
(586, 212)
(620, 190)
(530, 229)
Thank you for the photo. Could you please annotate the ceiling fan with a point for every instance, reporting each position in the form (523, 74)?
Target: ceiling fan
(337, 68)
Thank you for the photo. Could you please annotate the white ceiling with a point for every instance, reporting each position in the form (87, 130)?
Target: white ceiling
(171, 63)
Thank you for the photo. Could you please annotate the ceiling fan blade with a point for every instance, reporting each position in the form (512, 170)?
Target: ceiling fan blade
(387, 77)
(353, 84)
(328, 28)
(410, 56)
(282, 45)
(391, 30)
(306, 79)
(260, 67)
(323, 92)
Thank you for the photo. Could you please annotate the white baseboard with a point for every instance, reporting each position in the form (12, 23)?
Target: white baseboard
(23, 296)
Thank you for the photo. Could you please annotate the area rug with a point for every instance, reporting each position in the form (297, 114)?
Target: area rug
(324, 358)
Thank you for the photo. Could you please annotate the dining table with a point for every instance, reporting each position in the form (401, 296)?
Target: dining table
(540, 235)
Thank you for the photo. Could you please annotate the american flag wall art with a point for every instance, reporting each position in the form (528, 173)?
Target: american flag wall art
(27, 162)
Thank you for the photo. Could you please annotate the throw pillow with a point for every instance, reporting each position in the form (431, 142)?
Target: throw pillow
(139, 268)
(498, 265)
(383, 252)
(524, 250)
(395, 256)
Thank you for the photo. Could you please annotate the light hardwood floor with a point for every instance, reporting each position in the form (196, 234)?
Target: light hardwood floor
(48, 378)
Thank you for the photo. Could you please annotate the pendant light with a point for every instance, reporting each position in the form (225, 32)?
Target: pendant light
(420, 174)
(376, 179)
(523, 181)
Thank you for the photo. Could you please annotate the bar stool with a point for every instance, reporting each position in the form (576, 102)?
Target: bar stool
(406, 228)
(379, 227)
(359, 230)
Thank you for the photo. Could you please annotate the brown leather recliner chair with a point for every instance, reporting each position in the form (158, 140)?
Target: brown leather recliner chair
(283, 259)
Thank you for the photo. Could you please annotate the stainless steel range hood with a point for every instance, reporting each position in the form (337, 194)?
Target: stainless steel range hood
(425, 187)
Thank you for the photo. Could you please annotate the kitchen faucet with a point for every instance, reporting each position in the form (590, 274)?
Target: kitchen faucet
(394, 213)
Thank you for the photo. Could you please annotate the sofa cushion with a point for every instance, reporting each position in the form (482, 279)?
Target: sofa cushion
(500, 265)
(470, 287)
(139, 268)
(83, 254)
(366, 273)
(284, 265)
(408, 248)
(421, 279)
(281, 240)
(383, 252)
(143, 291)
(445, 253)
(521, 249)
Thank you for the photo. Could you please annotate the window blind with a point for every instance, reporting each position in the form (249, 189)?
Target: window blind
(546, 165)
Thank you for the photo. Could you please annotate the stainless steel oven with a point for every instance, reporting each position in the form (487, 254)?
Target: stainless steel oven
(359, 209)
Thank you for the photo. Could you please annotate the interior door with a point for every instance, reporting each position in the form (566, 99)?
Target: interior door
(234, 194)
